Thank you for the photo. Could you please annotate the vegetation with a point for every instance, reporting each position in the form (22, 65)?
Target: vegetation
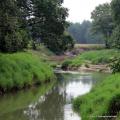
(98, 103)
(115, 64)
(103, 21)
(83, 34)
(21, 70)
(104, 98)
(22, 21)
(90, 46)
(115, 38)
(93, 57)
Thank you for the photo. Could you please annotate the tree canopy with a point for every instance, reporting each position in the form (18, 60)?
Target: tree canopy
(37, 20)
(103, 21)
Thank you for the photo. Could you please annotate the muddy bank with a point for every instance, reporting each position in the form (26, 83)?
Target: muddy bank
(89, 68)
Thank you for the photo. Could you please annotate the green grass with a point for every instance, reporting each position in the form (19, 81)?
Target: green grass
(93, 57)
(104, 99)
(19, 70)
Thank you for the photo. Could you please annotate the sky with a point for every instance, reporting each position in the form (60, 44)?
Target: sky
(80, 10)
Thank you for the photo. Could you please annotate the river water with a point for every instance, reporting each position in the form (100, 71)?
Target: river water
(45, 103)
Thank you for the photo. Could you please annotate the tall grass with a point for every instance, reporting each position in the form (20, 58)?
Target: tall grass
(22, 69)
(103, 100)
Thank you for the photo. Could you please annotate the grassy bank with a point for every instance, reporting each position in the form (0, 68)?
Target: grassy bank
(91, 57)
(103, 100)
(20, 70)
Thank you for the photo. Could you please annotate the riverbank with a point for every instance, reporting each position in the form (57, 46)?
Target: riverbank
(22, 70)
(97, 60)
(103, 100)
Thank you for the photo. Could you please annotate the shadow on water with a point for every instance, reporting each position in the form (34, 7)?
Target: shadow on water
(47, 102)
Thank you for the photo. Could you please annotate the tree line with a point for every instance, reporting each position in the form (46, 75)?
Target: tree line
(82, 33)
(104, 28)
(105, 20)
(24, 22)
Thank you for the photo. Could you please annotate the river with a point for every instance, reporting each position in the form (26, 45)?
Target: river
(46, 103)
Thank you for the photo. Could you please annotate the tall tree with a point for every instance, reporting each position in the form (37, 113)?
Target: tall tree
(49, 23)
(103, 21)
(11, 35)
(82, 33)
(115, 39)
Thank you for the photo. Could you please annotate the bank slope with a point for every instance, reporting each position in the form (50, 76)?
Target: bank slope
(103, 100)
(91, 57)
(21, 70)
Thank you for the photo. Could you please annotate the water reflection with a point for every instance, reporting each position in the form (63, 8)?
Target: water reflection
(54, 105)
(57, 103)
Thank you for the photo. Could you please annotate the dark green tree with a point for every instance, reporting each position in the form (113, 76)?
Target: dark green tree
(11, 39)
(103, 21)
(49, 23)
(115, 39)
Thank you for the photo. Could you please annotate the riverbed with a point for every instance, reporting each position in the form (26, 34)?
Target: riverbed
(49, 102)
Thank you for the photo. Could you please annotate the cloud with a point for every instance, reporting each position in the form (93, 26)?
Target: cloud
(80, 10)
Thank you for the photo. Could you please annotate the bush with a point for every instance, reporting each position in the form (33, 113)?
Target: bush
(66, 64)
(115, 64)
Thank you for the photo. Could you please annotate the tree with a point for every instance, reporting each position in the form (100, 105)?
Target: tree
(115, 39)
(49, 23)
(103, 21)
(115, 5)
(40, 20)
(11, 39)
(82, 33)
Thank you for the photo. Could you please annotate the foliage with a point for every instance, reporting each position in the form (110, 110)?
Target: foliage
(100, 100)
(103, 22)
(37, 20)
(115, 5)
(12, 37)
(22, 69)
(82, 33)
(94, 57)
(66, 64)
(115, 38)
(48, 24)
(115, 64)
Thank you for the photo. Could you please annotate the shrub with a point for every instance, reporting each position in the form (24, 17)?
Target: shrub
(66, 64)
(115, 64)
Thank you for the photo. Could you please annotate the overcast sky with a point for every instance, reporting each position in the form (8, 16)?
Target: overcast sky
(80, 10)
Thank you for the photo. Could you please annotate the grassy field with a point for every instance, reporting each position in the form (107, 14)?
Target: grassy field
(92, 57)
(19, 70)
(103, 100)
(90, 46)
